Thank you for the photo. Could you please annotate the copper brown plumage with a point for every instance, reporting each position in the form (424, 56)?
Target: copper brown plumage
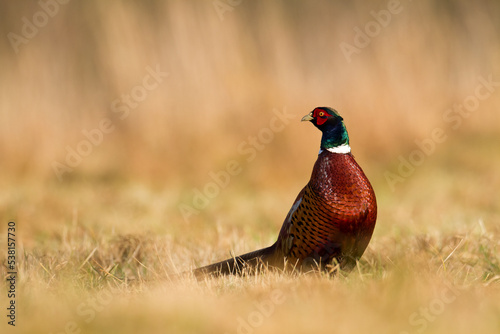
(332, 218)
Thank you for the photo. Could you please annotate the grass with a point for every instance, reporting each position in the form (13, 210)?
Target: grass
(111, 274)
(96, 247)
(121, 288)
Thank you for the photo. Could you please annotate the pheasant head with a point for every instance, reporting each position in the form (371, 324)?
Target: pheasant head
(335, 138)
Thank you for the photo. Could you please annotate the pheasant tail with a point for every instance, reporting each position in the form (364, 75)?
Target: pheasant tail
(237, 265)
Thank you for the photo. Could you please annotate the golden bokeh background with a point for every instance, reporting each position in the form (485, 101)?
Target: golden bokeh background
(225, 68)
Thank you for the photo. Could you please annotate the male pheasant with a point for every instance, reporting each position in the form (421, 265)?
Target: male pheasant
(333, 217)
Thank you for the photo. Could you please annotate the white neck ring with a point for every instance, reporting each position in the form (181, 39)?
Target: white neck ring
(342, 149)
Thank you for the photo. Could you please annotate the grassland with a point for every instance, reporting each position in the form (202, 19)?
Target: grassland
(96, 245)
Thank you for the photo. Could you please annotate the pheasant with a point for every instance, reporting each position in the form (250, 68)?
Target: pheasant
(332, 218)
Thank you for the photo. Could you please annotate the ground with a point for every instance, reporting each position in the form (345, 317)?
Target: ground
(105, 267)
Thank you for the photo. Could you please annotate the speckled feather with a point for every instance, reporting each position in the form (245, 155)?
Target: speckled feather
(333, 216)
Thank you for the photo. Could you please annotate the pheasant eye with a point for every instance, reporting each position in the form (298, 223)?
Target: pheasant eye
(321, 114)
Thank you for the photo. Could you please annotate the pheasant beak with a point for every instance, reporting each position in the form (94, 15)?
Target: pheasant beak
(307, 117)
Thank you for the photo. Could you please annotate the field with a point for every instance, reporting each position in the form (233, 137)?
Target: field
(141, 139)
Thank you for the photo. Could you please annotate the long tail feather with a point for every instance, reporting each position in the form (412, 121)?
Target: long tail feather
(236, 265)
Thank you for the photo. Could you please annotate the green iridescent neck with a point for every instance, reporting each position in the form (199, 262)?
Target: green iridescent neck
(334, 136)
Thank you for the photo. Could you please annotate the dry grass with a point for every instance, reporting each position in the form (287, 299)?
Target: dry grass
(96, 247)
(104, 282)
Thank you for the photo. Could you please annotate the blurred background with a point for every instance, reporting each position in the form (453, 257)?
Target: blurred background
(226, 68)
(140, 138)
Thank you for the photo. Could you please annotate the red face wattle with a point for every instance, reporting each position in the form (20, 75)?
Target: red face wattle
(321, 116)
